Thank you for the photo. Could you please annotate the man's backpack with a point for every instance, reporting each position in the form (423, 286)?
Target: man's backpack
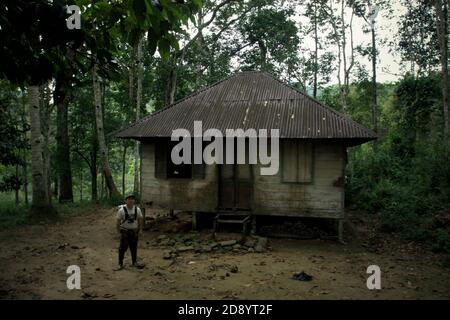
(127, 215)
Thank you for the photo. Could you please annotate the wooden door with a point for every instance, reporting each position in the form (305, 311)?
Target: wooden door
(235, 187)
(227, 187)
(243, 187)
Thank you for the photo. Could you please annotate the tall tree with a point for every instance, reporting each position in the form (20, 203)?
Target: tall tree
(46, 109)
(270, 38)
(216, 16)
(93, 168)
(139, 75)
(369, 11)
(60, 97)
(418, 38)
(33, 34)
(105, 20)
(14, 144)
(41, 196)
(441, 8)
(372, 20)
(317, 16)
(347, 65)
(106, 168)
(342, 25)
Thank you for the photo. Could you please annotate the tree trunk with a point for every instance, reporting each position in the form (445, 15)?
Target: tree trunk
(41, 198)
(124, 158)
(56, 186)
(17, 185)
(102, 187)
(344, 89)
(81, 185)
(114, 194)
(442, 27)
(131, 86)
(200, 45)
(139, 70)
(24, 151)
(171, 81)
(93, 167)
(25, 182)
(316, 51)
(374, 81)
(62, 141)
(105, 187)
(263, 54)
(46, 110)
(338, 38)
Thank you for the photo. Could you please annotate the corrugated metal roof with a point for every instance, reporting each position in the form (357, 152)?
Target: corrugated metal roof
(246, 100)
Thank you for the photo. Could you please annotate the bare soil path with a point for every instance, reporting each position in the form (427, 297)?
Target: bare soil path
(34, 259)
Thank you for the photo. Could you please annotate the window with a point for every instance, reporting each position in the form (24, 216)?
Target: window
(176, 171)
(180, 171)
(297, 161)
(166, 169)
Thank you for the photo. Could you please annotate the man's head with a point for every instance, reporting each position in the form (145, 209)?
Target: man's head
(130, 200)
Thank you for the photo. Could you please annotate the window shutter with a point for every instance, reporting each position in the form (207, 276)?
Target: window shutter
(160, 160)
(289, 161)
(297, 161)
(198, 170)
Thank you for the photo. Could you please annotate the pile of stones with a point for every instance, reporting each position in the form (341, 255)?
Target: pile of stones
(296, 229)
(192, 242)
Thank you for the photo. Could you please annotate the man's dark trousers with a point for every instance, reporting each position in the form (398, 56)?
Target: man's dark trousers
(128, 238)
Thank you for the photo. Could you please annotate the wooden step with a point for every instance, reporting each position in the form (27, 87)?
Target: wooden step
(234, 213)
(233, 217)
(231, 221)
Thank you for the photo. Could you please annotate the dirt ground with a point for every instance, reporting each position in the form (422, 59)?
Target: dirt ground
(34, 259)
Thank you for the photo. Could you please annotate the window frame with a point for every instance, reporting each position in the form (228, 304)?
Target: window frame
(162, 151)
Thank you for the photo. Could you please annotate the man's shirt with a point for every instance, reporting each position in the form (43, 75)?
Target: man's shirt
(131, 223)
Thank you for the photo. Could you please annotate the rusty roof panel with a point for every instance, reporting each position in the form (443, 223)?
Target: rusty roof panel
(250, 100)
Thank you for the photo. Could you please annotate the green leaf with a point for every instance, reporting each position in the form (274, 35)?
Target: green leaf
(149, 7)
(164, 48)
(197, 3)
(173, 41)
(139, 9)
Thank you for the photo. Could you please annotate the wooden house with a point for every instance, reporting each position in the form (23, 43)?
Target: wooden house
(312, 151)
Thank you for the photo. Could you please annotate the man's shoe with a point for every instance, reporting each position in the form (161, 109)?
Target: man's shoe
(138, 265)
(118, 268)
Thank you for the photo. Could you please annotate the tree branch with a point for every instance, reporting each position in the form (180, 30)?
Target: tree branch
(206, 24)
(77, 151)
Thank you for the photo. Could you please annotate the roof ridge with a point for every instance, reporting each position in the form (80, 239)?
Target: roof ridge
(339, 114)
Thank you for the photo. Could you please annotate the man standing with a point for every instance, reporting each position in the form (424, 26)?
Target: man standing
(129, 226)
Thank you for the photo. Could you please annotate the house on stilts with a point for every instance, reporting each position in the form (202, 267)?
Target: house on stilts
(313, 142)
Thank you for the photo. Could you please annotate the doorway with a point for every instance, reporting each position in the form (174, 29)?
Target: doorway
(235, 187)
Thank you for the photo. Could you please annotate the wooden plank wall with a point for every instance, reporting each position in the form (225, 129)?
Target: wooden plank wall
(323, 197)
(179, 194)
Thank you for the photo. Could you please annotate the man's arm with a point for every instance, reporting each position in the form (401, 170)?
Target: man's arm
(118, 225)
(140, 222)
(118, 220)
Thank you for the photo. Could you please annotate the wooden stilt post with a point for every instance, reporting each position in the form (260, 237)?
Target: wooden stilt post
(341, 230)
(253, 228)
(194, 220)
